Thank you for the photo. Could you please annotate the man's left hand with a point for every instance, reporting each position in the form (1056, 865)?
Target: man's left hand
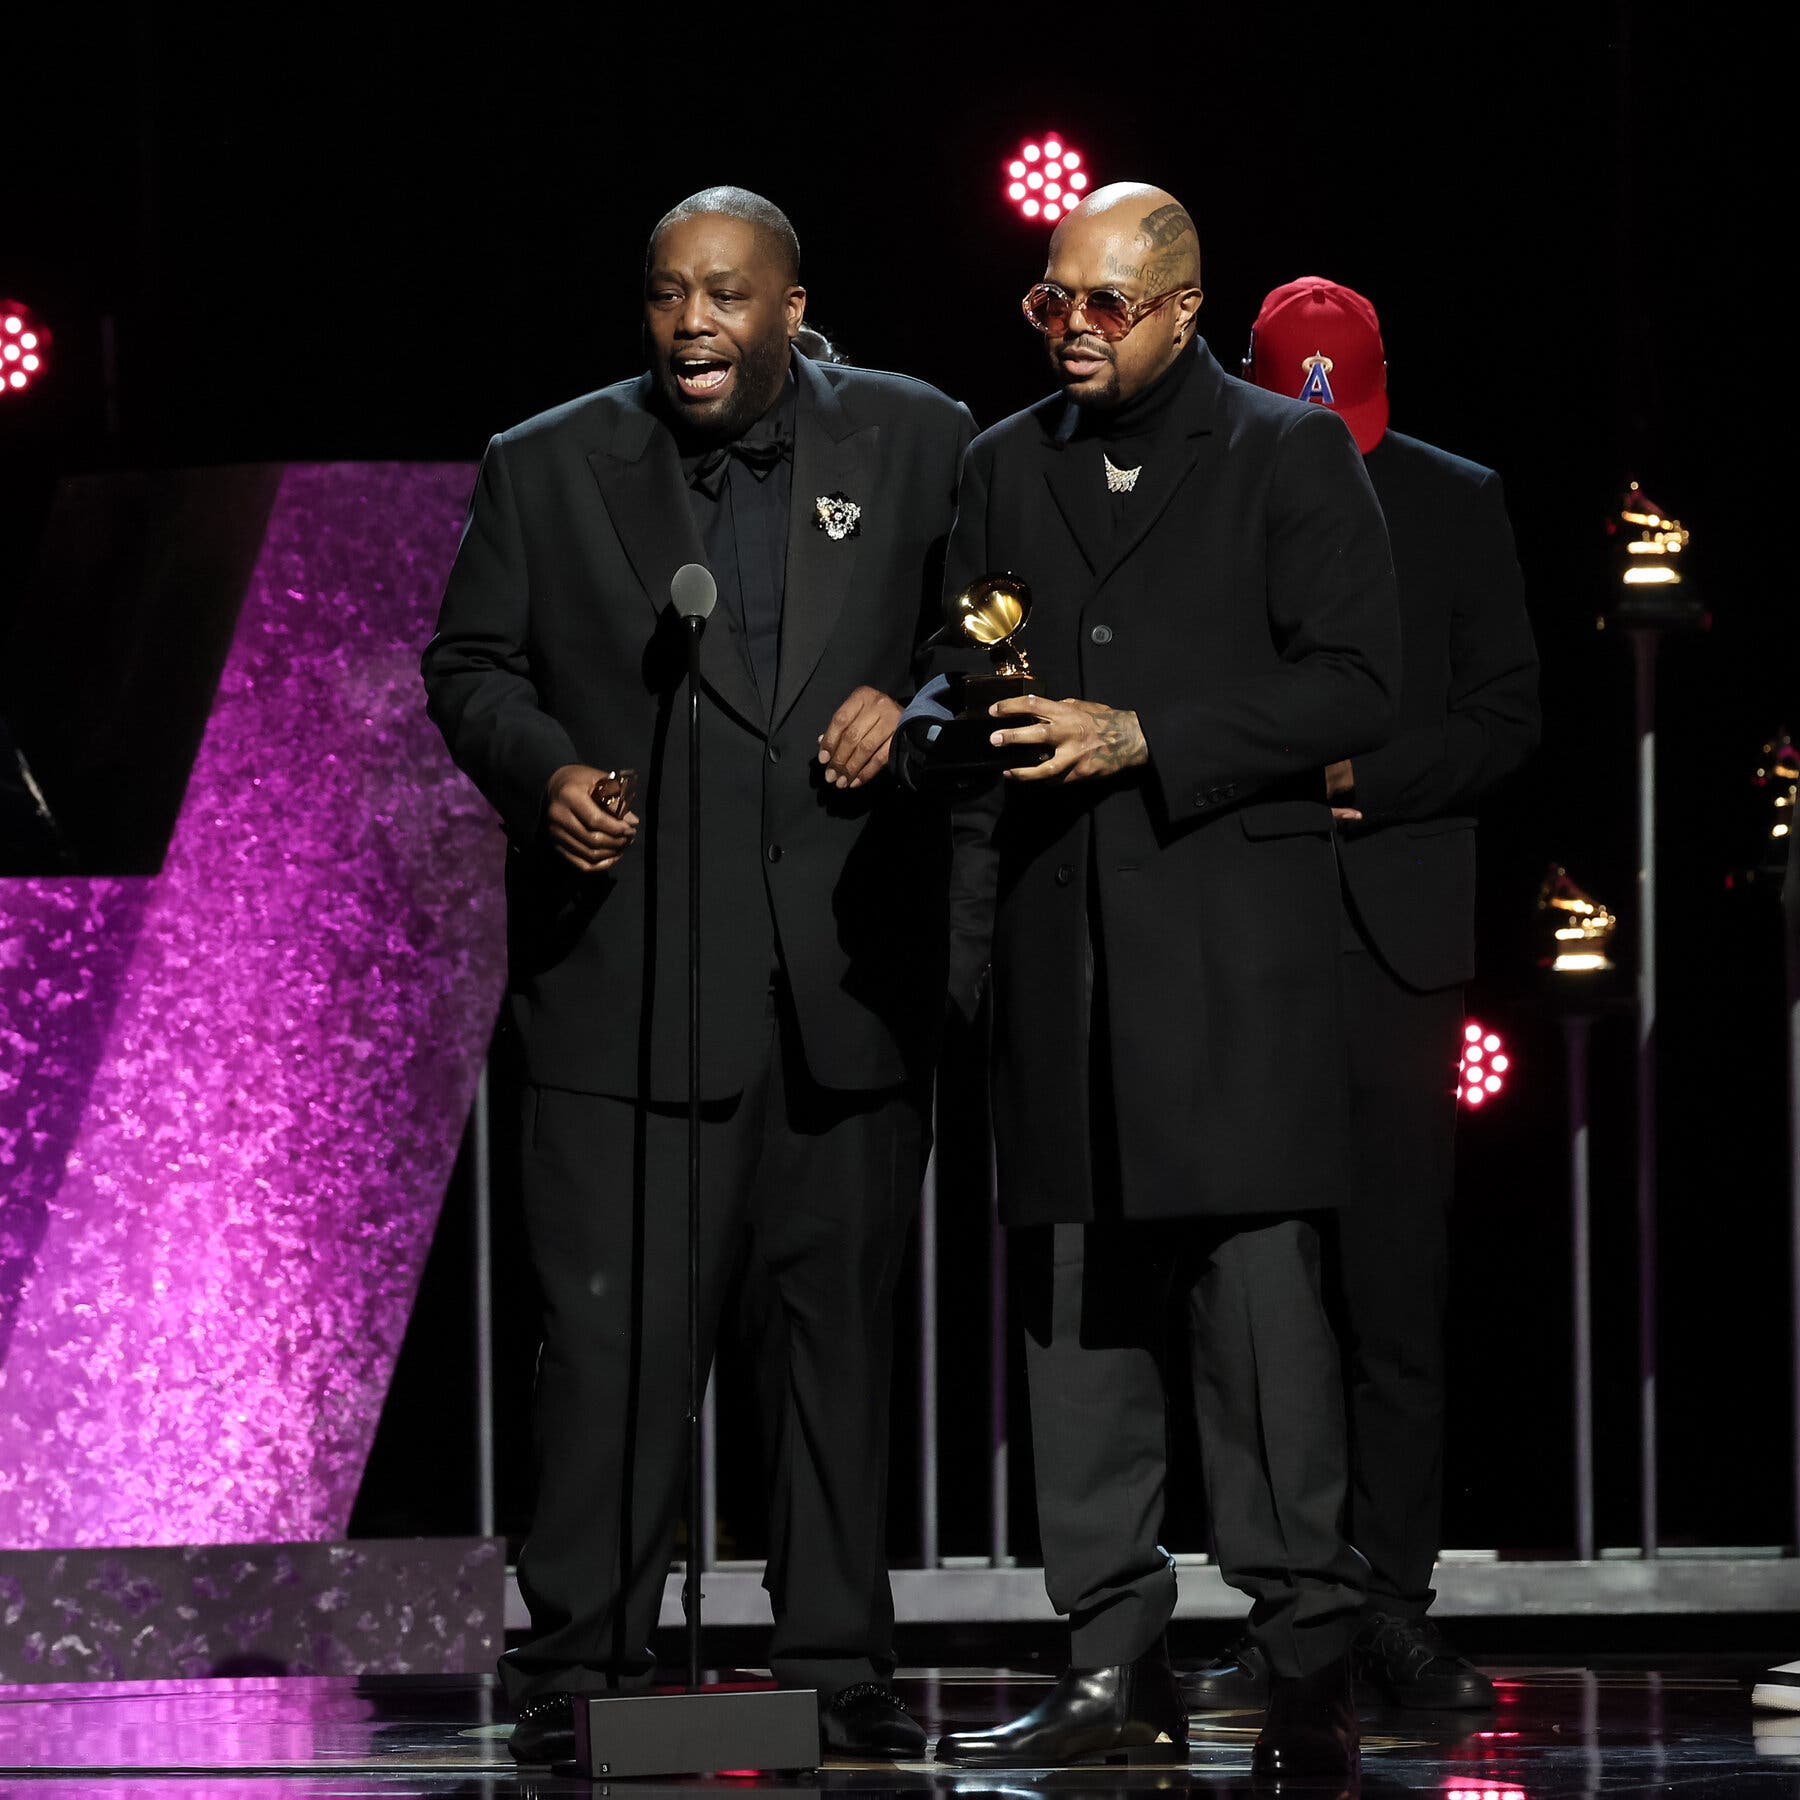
(854, 746)
(1340, 784)
(1084, 738)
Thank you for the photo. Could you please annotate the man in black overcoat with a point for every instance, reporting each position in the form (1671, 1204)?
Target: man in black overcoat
(820, 497)
(1468, 717)
(1214, 622)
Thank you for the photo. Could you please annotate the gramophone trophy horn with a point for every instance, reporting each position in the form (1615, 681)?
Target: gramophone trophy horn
(991, 612)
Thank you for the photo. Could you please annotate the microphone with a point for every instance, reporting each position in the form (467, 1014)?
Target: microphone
(693, 593)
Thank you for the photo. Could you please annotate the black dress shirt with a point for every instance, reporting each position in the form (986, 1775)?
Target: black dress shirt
(741, 494)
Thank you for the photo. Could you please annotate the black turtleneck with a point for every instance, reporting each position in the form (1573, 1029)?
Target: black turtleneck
(740, 495)
(1143, 415)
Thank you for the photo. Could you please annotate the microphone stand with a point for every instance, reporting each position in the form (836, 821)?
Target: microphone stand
(692, 1597)
(717, 1730)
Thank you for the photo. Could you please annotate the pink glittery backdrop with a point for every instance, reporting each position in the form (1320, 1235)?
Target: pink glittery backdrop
(231, 1095)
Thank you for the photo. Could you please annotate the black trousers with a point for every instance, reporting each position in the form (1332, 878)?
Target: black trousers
(1388, 1281)
(818, 1187)
(1244, 1295)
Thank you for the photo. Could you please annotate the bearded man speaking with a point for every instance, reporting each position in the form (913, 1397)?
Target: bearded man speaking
(820, 497)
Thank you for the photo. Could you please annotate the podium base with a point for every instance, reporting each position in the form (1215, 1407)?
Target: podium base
(712, 1732)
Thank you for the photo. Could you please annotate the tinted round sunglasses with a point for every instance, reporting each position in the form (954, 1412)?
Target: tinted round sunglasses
(1050, 309)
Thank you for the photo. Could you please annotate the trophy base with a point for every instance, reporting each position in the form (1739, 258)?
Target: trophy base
(971, 695)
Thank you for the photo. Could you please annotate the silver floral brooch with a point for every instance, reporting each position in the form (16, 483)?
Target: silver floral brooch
(839, 517)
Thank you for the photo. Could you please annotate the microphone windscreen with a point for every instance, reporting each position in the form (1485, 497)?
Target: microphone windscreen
(693, 591)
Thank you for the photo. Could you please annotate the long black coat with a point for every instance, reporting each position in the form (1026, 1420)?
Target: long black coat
(555, 646)
(1248, 615)
(1468, 710)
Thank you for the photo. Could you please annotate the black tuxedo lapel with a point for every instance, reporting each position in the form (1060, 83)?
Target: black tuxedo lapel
(830, 458)
(639, 475)
(1167, 463)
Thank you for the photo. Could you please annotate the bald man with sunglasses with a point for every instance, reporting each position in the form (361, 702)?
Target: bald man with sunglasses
(1215, 620)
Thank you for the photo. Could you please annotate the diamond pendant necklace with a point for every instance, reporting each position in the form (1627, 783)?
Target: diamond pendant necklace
(1120, 481)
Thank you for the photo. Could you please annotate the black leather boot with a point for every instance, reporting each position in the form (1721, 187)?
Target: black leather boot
(1408, 1663)
(1238, 1676)
(866, 1722)
(545, 1732)
(1310, 1734)
(1131, 1712)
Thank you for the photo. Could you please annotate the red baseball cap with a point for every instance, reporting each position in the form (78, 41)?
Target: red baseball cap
(1317, 341)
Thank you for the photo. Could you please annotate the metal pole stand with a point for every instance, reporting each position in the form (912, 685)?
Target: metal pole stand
(1644, 644)
(1576, 1026)
(1577, 1000)
(1790, 909)
(1645, 615)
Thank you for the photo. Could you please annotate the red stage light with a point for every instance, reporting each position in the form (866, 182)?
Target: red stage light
(1484, 1065)
(1044, 179)
(24, 347)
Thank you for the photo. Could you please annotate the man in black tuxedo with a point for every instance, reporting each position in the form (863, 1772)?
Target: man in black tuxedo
(820, 497)
(1468, 716)
(1214, 594)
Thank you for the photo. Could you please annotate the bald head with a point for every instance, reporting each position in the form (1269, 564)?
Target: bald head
(1141, 242)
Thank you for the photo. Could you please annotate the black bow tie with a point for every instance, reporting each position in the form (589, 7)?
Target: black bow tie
(761, 454)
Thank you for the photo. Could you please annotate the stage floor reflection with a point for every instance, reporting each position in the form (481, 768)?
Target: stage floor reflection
(1557, 1731)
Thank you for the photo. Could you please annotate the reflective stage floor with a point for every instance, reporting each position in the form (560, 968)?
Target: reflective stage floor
(1557, 1731)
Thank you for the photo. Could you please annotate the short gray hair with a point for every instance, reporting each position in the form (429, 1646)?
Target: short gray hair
(771, 224)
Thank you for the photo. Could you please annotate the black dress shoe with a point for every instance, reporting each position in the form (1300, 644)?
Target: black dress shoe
(1310, 1733)
(1235, 1677)
(545, 1732)
(1408, 1663)
(867, 1722)
(1129, 1713)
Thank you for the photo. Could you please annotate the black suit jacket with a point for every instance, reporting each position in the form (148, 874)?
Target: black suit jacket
(555, 645)
(1248, 616)
(1468, 710)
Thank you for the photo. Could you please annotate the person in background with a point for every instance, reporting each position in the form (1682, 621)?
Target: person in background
(1406, 855)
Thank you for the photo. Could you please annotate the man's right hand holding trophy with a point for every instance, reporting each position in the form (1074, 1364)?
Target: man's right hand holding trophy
(960, 727)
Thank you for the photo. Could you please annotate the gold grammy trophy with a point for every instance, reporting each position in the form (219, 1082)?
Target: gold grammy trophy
(991, 611)
(1581, 928)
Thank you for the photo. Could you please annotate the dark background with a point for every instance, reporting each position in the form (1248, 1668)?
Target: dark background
(369, 238)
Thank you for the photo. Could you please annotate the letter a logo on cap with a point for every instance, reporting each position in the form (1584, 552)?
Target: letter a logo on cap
(1317, 387)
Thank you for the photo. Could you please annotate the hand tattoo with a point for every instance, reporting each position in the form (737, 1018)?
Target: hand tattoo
(1121, 743)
